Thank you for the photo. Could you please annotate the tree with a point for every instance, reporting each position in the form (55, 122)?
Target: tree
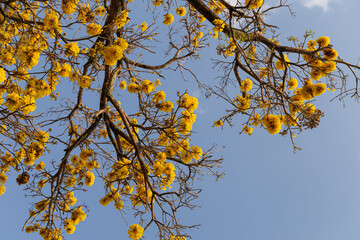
(141, 149)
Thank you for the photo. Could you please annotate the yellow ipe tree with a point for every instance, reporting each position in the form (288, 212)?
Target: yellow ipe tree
(143, 154)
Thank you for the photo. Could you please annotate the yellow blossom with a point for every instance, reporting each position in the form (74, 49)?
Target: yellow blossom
(254, 3)
(85, 81)
(143, 26)
(168, 19)
(272, 123)
(93, 29)
(181, 11)
(135, 231)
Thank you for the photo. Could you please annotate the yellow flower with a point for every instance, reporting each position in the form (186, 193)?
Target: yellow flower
(159, 96)
(85, 81)
(292, 84)
(263, 72)
(71, 49)
(41, 205)
(65, 70)
(147, 86)
(71, 199)
(248, 130)
(218, 123)
(319, 89)
(89, 179)
(40, 166)
(242, 103)
(246, 85)
(201, 18)
(2, 75)
(143, 26)
(166, 106)
(330, 54)
(157, 3)
(85, 154)
(122, 43)
(122, 84)
(90, 165)
(181, 11)
(112, 54)
(135, 231)
(311, 45)
(280, 65)
(128, 189)
(100, 11)
(2, 190)
(272, 123)
(119, 204)
(323, 41)
(254, 3)
(309, 109)
(122, 19)
(133, 88)
(328, 66)
(3, 177)
(78, 215)
(93, 29)
(12, 101)
(307, 91)
(71, 181)
(51, 20)
(70, 229)
(316, 74)
(219, 25)
(168, 19)
(188, 102)
(69, 6)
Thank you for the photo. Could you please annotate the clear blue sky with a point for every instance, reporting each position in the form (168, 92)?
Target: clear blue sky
(268, 192)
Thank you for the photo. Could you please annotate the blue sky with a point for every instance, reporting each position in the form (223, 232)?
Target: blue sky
(268, 192)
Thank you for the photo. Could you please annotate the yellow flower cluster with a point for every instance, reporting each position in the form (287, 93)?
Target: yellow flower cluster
(40, 166)
(292, 84)
(165, 106)
(89, 178)
(219, 27)
(251, 4)
(242, 102)
(272, 123)
(122, 19)
(69, 6)
(112, 195)
(280, 63)
(85, 13)
(218, 123)
(51, 22)
(157, 3)
(188, 102)
(143, 27)
(2, 190)
(216, 6)
(165, 170)
(181, 11)
(85, 81)
(50, 234)
(168, 19)
(93, 29)
(112, 54)
(246, 85)
(135, 231)
(77, 215)
(172, 237)
(321, 68)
